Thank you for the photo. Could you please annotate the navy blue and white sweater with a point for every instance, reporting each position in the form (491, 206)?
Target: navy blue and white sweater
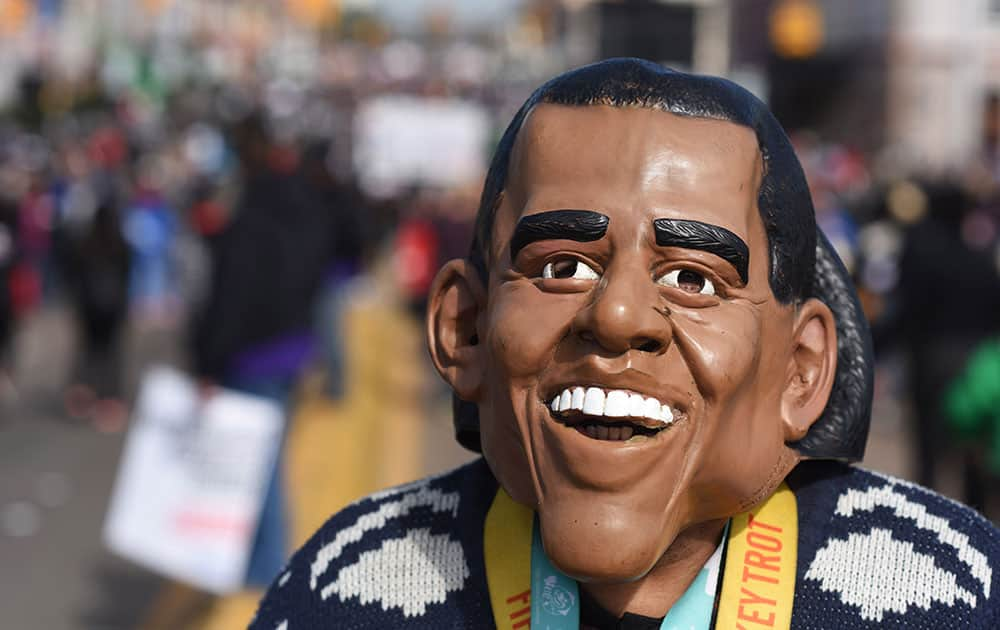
(874, 552)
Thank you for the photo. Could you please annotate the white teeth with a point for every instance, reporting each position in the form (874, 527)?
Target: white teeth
(651, 409)
(636, 404)
(666, 415)
(593, 402)
(564, 400)
(616, 405)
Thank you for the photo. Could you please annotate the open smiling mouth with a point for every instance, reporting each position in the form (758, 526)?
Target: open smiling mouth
(613, 415)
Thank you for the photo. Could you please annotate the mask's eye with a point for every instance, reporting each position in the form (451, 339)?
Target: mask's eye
(688, 281)
(564, 268)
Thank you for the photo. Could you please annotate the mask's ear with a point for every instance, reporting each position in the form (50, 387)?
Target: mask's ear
(457, 296)
(811, 368)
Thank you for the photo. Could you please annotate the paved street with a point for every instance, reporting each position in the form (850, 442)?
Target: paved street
(55, 480)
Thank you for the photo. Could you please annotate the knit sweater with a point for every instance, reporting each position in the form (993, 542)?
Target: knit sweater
(874, 552)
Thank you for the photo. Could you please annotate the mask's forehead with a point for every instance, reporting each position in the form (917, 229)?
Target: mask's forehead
(612, 159)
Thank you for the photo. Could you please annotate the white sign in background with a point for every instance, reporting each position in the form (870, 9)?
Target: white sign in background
(404, 140)
(192, 481)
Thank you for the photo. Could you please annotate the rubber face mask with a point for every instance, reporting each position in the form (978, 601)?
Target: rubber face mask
(633, 356)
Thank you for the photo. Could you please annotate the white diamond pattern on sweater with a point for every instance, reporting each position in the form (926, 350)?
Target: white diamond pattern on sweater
(409, 573)
(424, 496)
(878, 574)
(886, 496)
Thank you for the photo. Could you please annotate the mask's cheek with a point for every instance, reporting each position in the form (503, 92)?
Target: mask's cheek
(744, 456)
(722, 350)
(742, 473)
(524, 328)
(507, 449)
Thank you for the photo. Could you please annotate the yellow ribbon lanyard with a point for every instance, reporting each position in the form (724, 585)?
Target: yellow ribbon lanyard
(758, 580)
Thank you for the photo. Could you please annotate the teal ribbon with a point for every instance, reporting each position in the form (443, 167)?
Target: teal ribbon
(693, 611)
(555, 598)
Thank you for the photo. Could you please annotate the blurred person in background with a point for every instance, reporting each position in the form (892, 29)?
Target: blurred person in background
(991, 140)
(949, 301)
(416, 251)
(833, 172)
(92, 260)
(34, 236)
(972, 409)
(434, 228)
(151, 229)
(972, 400)
(97, 273)
(7, 228)
(254, 332)
(349, 246)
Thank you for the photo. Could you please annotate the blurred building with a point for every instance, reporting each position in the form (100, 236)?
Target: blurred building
(915, 76)
(823, 62)
(945, 65)
(820, 64)
(691, 35)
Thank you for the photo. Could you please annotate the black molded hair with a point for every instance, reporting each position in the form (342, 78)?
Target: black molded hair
(797, 257)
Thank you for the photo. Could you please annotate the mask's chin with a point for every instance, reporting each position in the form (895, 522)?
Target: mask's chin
(597, 541)
(612, 531)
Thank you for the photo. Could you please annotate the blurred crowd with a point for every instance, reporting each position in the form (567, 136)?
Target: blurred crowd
(240, 216)
(218, 209)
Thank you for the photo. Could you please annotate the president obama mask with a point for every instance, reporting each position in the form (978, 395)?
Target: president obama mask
(641, 369)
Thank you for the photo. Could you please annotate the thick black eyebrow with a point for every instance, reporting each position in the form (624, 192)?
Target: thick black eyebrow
(581, 226)
(705, 237)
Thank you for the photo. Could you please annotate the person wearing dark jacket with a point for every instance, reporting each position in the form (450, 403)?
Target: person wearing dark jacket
(254, 331)
(96, 266)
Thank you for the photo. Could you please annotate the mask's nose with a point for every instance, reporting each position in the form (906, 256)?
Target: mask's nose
(626, 313)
